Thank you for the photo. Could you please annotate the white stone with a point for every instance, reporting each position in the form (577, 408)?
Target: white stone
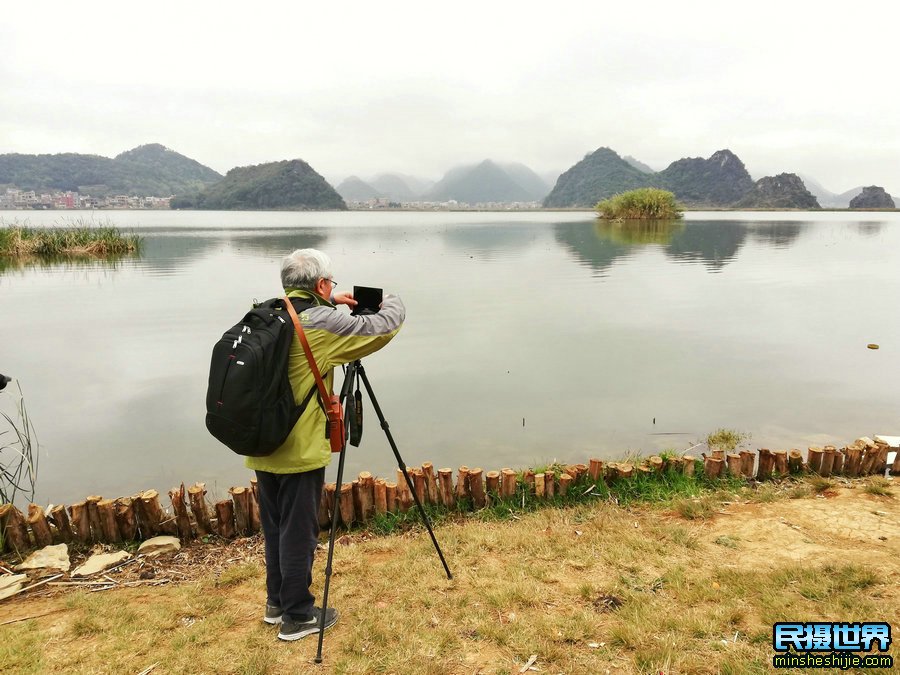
(10, 584)
(48, 558)
(100, 562)
(158, 545)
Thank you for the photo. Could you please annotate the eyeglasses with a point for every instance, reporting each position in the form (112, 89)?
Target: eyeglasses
(332, 281)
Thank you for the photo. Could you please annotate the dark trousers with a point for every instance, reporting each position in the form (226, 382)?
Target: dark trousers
(289, 512)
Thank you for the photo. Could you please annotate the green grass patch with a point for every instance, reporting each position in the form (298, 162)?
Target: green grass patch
(78, 240)
(726, 439)
(641, 204)
(880, 486)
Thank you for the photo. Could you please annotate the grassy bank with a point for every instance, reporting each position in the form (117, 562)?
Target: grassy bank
(19, 242)
(587, 588)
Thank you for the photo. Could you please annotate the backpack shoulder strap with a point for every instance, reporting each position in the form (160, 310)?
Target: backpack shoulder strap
(303, 341)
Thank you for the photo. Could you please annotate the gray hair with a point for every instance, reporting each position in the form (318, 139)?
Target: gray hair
(304, 267)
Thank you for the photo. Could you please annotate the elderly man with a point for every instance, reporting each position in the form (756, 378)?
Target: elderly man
(290, 480)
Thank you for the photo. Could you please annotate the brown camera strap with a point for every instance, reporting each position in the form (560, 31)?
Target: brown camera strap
(309, 356)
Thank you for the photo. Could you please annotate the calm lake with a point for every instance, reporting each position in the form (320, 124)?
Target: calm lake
(530, 337)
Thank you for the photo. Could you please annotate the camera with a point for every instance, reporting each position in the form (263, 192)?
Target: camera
(368, 300)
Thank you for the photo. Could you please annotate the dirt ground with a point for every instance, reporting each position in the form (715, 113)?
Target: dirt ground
(846, 525)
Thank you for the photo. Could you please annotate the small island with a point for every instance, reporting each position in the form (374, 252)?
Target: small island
(640, 204)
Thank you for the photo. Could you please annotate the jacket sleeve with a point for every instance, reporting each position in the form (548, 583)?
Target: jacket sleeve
(353, 337)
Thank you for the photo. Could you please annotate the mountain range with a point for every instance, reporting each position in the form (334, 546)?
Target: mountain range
(147, 170)
(720, 180)
(482, 183)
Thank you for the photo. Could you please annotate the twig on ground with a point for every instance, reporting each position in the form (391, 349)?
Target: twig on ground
(26, 618)
(40, 583)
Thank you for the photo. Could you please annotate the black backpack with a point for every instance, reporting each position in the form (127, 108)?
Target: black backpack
(250, 405)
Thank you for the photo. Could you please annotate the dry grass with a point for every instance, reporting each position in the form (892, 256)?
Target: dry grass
(588, 589)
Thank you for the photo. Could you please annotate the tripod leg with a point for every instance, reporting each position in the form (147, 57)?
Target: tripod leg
(348, 385)
(402, 465)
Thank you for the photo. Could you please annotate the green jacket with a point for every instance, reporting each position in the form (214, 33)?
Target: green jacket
(335, 338)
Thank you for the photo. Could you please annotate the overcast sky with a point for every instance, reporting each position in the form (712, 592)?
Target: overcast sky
(418, 87)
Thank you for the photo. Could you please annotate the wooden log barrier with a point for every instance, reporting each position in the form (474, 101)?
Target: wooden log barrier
(126, 519)
(837, 468)
(152, 514)
(431, 488)
(180, 509)
(595, 469)
(81, 524)
(688, 465)
(390, 493)
(610, 472)
(448, 496)
(895, 467)
(379, 492)
(40, 528)
(625, 470)
(367, 495)
(225, 518)
(717, 453)
(656, 463)
(94, 518)
(765, 465)
(814, 458)
(507, 483)
(345, 503)
(795, 461)
(869, 457)
(734, 462)
(197, 498)
(564, 481)
(528, 480)
(781, 462)
(60, 518)
(462, 491)
(492, 484)
(748, 462)
(14, 528)
(241, 498)
(550, 483)
(827, 462)
(476, 488)
(852, 458)
(539, 490)
(881, 464)
(712, 467)
(419, 483)
(109, 526)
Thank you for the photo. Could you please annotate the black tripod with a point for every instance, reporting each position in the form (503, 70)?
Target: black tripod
(352, 408)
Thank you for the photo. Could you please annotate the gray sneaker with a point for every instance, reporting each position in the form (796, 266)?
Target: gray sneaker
(292, 629)
(273, 614)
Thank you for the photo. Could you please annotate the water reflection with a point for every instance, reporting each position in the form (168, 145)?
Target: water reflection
(588, 246)
(868, 229)
(714, 243)
(779, 235)
(636, 232)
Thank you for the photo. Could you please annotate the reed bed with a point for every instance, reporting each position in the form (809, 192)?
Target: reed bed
(18, 241)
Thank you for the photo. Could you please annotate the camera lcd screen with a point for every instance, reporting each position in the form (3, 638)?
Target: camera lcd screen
(367, 298)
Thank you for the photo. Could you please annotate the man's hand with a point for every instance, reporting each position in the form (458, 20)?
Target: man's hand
(344, 298)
